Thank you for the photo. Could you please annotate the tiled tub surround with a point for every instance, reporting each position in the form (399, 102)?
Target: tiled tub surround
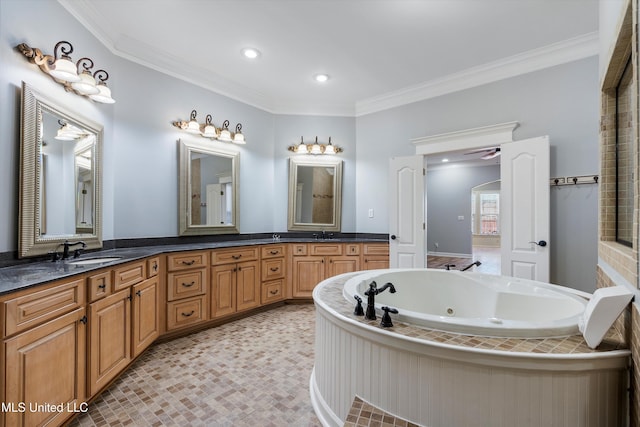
(442, 379)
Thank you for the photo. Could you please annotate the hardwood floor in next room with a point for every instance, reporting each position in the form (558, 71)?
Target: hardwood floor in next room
(488, 257)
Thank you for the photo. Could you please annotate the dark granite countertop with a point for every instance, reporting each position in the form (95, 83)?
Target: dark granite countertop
(32, 274)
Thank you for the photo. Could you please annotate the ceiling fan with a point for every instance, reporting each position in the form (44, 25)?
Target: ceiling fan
(491, 152)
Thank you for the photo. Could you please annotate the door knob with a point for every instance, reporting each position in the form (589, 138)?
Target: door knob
(541, 243)
(393, 237)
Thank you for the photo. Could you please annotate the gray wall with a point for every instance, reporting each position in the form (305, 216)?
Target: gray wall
(561, 102)
(141, 157)
(448, 197)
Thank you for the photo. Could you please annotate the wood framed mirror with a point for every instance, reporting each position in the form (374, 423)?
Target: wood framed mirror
(60, 176)
(209, 199)
(315, 194)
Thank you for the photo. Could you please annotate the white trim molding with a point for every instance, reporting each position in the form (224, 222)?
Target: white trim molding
(479, 137)
(563, 52)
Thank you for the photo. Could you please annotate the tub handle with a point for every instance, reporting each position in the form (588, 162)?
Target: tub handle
(386, 319)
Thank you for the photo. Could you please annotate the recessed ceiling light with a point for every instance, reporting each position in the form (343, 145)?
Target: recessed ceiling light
(250, 52)
(321, 78)
(445, 160)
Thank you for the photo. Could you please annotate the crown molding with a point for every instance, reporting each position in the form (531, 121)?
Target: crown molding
(135, 51)
(559, 53)
(467, 139)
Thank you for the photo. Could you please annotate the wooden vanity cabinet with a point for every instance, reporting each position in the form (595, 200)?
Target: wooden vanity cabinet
(235, 280)
(122, 322)
(109, 338)
(273, 273)
(314, 262)
(187, 289)
(43, 353)
(375, 256)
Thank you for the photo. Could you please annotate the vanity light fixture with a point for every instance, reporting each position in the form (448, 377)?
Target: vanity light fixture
(209, 130)
(68, 132)
(64, 71)
(316, 148)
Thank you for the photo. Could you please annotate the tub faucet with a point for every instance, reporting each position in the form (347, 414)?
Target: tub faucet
(477, 264)
(371, 298)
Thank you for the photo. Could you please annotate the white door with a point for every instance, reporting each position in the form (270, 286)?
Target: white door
(524, 170)
(406, 212)
(214, 205)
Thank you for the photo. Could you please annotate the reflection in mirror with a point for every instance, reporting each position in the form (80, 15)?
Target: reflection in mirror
(60, 169)
(315, 194)
(208, 189)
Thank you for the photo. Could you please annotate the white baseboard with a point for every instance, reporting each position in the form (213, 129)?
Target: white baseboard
(450, 254)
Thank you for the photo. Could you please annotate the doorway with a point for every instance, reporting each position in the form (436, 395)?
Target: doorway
(462, 195)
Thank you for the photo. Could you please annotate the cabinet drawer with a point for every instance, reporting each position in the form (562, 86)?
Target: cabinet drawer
(186, 284)
(128, 275)
(352, 249)
(99, 285)
(272, 291)
(227, 256)
(272, 268)
(299, 249)
(376, 248)
(37, 307)
(272, 251)
(186, 312)
(183, 261)
(153, 266)
(326, 249)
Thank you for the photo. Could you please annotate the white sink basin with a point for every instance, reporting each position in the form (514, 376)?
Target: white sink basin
(90, 261)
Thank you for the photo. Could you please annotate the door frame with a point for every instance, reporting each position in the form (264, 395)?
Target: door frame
(468, 139)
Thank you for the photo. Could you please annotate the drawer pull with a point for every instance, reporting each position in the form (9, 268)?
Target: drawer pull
(236, 256)
(188, 314)
(188, 285)
(274, 252)
(193, 261)
(103, 286)
(274, 292)
(274, 269)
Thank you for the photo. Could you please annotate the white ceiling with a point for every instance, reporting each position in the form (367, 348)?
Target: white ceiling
(379, 53)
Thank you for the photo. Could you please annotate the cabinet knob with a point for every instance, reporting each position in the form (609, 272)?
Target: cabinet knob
(83, 320)
(139, 293)
(103, 286)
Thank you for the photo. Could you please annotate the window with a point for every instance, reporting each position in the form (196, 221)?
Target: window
(485, 212)
(624, 156)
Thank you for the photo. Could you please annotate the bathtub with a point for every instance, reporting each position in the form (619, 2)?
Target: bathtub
(473, 303)
(444, 379)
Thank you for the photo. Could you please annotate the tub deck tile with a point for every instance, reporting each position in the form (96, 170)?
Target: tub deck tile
(331, 294)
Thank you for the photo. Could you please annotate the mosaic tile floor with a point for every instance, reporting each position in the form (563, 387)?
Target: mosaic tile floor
(251, 372)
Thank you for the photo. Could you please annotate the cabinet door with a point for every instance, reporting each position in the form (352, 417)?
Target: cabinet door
(343, 264)
(307, 273)
(45, 364)
(146, 315)
(223, 290)
(247, 285)
(109, 338)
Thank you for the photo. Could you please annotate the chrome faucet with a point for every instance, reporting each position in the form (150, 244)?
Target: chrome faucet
(371, 298)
